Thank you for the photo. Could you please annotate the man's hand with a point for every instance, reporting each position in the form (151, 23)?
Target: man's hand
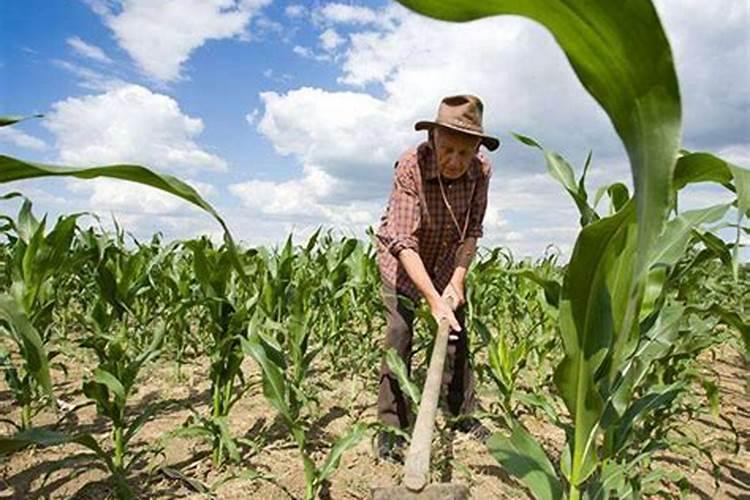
(457, 285)
(441, 309)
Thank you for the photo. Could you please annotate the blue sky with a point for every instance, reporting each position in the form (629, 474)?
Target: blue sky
(290, 115)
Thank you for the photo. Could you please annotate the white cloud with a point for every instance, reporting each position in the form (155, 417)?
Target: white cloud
(276, 77)
(295, 10)
(527, 86)
(123, 197)
(88, 78)
(160, 36)
(303, 201)
(308, 53)
(107, 195)
(87, 50)
(340, 131)
(21, 139)
(251, 117)
(347, 14)
(329, 39)
(129, 124)
(296, 197)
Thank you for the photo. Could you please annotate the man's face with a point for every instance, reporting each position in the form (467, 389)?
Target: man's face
(454, 151)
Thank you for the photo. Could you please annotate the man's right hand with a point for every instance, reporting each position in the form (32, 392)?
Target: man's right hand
(441, 309)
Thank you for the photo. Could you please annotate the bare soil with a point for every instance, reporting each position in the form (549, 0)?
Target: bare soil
(69, 472)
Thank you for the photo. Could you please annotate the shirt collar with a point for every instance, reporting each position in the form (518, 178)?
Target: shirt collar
(426, 157)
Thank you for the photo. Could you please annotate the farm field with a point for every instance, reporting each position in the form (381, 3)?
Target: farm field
(198, 366)
(206, 419)
(463, 460)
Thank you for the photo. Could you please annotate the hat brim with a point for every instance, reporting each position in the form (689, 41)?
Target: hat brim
(491, 143)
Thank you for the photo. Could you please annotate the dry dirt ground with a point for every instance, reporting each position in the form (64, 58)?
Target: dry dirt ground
(67, 472)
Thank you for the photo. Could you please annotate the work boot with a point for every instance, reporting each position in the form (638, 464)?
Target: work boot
(390, 447)
(473, 428)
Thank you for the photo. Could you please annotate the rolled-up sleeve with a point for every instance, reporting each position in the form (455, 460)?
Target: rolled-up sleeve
(404, 213)
(479, 204)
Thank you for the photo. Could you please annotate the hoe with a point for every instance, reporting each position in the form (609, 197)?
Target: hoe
(417, 465)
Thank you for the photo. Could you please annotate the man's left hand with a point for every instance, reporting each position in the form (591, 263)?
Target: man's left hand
(458, 288)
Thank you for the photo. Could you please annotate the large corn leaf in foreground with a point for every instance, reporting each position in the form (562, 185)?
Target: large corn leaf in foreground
(588, 322)
(14, 169)
(622, 57)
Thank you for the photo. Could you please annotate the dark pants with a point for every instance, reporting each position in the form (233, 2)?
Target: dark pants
(458, 379)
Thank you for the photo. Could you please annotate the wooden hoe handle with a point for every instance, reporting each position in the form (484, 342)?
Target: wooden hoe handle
(417, 464)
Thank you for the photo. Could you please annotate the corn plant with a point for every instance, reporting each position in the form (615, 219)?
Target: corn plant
(346, 295)
(124, 339)
(29, 379)
(175, 285)
(110, 387)
(226, 307)
(512, 321)
(625, 398)
(116, 335)
(38, 261)
(281, 340)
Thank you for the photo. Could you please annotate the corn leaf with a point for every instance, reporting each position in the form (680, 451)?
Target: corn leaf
(29, 340)
(562, 171)
(587, 325)
(114, 386)
(398, 367)
(274, 384)
(12, 120)
(349, 440)
(622, 57)
(525, 458)
(14, 169)
(637, 410)
(701, 167)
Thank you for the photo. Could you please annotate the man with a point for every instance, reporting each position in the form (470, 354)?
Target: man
(426, 241)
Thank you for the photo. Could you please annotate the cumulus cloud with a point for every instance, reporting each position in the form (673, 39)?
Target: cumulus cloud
(295, 10)
(347, 14)
(136, 200)
(308, 53)
(12, 135)
(160, 36)
(87, 50)
(353, 136)
(300, 200)
(330, 39)
(129, 124)
(88, 78)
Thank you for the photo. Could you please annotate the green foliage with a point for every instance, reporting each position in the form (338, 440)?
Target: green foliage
(607, 377)
(36, 263)
(295, 304)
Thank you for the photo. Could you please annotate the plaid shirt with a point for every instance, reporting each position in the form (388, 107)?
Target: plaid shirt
(417, 217)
